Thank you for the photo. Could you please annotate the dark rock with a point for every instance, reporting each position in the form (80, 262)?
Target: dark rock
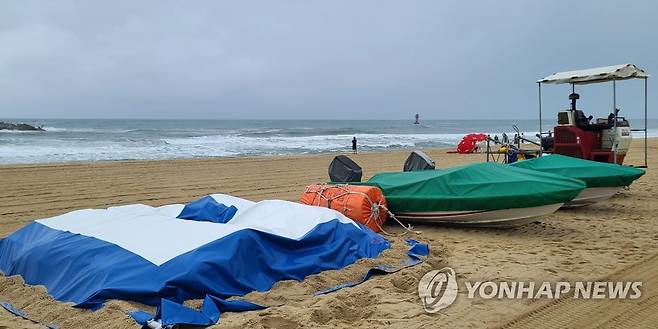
(19, 126)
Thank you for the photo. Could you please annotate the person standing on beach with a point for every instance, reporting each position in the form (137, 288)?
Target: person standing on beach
(354, 145)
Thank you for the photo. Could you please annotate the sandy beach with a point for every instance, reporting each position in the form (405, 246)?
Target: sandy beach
(617, 240)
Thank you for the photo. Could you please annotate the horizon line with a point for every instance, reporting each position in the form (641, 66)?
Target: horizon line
(296, 119)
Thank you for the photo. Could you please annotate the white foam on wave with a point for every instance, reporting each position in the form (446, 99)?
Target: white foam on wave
(15, 149)
(269, 145)
(18, 131)
(83, 130)
(60, 150)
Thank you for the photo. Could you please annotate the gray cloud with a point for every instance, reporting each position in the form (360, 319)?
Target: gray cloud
(312, 59)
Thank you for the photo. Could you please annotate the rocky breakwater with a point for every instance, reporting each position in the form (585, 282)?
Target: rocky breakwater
(19, 127)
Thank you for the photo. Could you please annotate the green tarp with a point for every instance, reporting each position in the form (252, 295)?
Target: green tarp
(594, 174)
(478, 186)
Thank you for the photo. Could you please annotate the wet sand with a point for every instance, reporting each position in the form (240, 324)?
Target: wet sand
(616, 239)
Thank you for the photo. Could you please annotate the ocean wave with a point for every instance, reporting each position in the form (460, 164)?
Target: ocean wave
(315, 141)
(83, 130)
(58, 150)
(3, 131)
(302, 132)
(66, 144)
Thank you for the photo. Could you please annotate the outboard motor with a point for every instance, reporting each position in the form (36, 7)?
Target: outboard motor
(547, 143)
(418, 160)
(573, 97)
(343, 170)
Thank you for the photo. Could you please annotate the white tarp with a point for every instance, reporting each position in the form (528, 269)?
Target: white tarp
(157, 235)
(599, 74)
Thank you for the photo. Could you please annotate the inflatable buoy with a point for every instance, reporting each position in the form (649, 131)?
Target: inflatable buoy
(362, 204)
(468, 144)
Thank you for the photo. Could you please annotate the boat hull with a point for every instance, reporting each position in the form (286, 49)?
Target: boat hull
(481, 218)
(592, 195)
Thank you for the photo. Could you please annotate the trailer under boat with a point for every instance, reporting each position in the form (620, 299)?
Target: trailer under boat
(480, 194)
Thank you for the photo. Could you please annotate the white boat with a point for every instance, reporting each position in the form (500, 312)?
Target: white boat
(482, 218)
(593, 195)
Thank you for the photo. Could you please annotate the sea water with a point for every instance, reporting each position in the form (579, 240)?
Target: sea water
(103, 140)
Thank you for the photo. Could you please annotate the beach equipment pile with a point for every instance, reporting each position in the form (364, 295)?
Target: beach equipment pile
(483, 194)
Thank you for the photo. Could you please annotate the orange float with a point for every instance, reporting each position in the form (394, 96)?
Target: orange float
(363, 204)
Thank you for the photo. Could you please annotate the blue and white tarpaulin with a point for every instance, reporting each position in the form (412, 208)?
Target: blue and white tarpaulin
(148, 254)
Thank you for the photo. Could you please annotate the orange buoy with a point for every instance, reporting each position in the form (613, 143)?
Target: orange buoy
(363, 204)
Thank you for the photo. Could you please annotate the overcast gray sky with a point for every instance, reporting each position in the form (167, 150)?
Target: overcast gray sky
(315, 59)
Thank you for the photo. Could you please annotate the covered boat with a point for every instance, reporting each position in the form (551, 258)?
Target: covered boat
(214, 248)
(480, 194)
(603, 179)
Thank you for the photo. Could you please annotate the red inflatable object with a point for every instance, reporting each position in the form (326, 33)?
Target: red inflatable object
(468, 143)
(363, 204)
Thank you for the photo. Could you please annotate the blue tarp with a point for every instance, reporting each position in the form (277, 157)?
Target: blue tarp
(209, 210)
(170, 313)
(86, 258)
(13, 310)
(212, 307)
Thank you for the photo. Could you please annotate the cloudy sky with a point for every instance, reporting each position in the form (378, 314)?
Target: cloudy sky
(315, 59)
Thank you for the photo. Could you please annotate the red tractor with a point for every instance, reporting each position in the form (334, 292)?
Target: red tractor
(606, 139)
(575, 135)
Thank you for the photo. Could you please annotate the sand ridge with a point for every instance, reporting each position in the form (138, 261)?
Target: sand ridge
(580, 244)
